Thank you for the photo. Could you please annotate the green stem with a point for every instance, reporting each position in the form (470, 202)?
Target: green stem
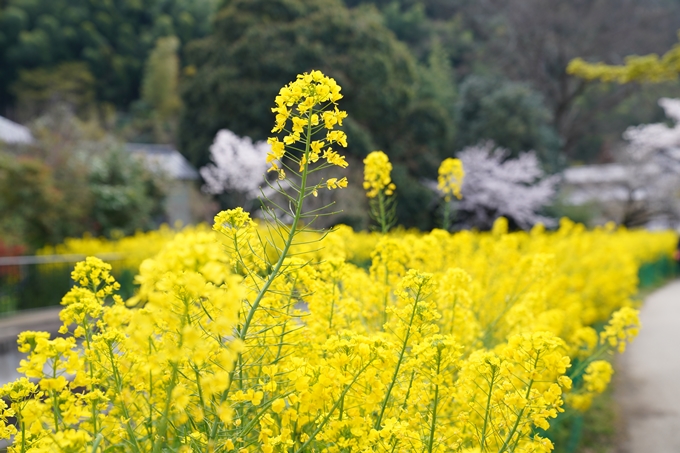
(487, 411)
(283, 329)
(446, 221)
(150, 399)
(408, 389)
(342, 407)
(119, 387)
(163, 427)
(97, 440)
(387, 295)
(453, 314)
(394, 440)
(88, 338)
(434, 407)
(23, 435)
(508, 438)
(200, 390)
(277, 267)
(383, 215)
(289, 241)
(55, 404)
(583, 365)
(330, 319)
(383, 407)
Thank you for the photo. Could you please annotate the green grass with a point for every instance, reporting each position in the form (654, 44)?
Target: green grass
(595, 431)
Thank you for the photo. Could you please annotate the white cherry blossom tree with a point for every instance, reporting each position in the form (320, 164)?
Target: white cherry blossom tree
(652, 162)
(238, 167)
(496, 186)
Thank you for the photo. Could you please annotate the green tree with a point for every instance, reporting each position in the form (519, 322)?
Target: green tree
(75, 179)
(126, 196)
(69, 83)
(533, 41)
(509, 113)
(114, 190)
(260, 45)
(156, 112)
(424, 24)
(159, 86)
(113, 38)
(35, 211)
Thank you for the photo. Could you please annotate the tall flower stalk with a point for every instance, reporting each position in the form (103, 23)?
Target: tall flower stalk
(380, 190)
(449, 183)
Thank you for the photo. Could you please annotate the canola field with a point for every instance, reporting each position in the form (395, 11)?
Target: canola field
(403, 342)
(271, 336)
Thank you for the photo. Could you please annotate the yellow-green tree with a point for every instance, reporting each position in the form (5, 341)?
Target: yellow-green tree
(645, 68)
(159, 87)
(161, 73)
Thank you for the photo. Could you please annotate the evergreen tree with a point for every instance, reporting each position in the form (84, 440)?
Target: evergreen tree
(509, 113)
(159, 86)
(395, 104)
(112, 38)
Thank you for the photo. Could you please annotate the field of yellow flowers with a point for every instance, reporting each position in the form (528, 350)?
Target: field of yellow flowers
(270, 336)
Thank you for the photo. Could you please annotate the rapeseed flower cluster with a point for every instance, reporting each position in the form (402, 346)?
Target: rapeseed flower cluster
(276, 338)
(449, 184)
(450, 179)
(377, 178)
(380, 190)
(303, 109)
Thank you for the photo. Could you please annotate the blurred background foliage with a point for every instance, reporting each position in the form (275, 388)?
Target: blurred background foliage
(422, 79)
(75, 179)
(112, 39)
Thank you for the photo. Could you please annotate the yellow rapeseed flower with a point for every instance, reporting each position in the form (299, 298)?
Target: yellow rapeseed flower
(450, 179)
(300, 106)
(377, 169)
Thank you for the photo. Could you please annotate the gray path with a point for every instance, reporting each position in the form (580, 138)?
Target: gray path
(648, 389)
(46, 319)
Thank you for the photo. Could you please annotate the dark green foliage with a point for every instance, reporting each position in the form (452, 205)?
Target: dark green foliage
(510, 114)
(39, 212)
(113, 38)
(126, 197)
(432, 9)
(396, 104)
(74, 179)
(42, 285)
(422, 23)
(414, 73)
(67, 83)
(584, 214)
(415, 203)
(153, 118)
(260, 45)
(653, 275)
(117, 196)
(159, 86)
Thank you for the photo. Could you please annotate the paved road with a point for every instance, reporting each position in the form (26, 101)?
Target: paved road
(46, 319)
(648, 388)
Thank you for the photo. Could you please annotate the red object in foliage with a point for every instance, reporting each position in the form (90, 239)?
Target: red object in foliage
(11, 272)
